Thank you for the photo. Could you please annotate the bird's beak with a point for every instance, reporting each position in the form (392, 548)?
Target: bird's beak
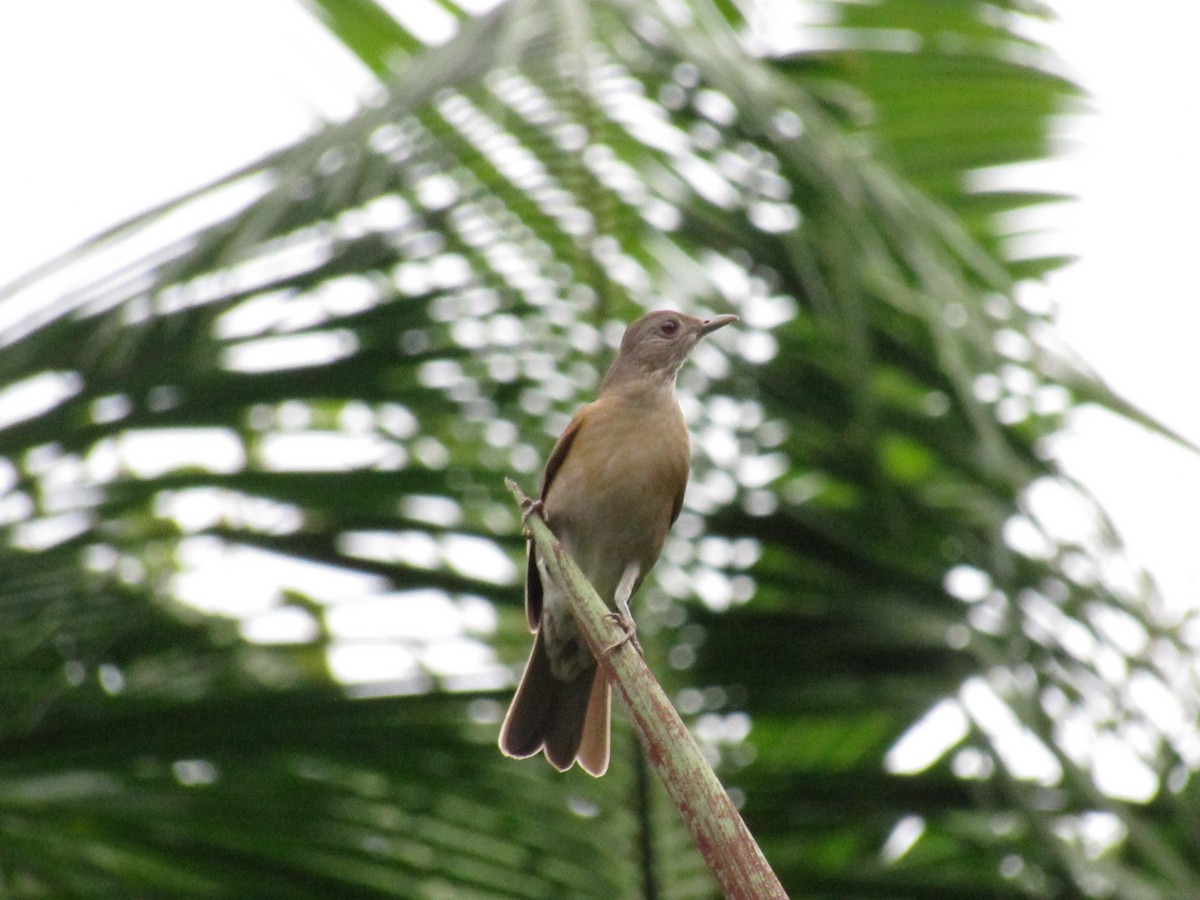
(708, 326)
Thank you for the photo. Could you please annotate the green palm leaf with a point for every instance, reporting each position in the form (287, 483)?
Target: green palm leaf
(356, 338)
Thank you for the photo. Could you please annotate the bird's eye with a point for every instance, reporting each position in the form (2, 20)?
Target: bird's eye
(669, 327)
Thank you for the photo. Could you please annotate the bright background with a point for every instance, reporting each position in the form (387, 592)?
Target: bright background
(109, 109)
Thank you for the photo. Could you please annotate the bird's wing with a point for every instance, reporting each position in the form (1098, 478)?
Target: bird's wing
(561, 447)
(677, 504)
(533, 578)
(533, 588)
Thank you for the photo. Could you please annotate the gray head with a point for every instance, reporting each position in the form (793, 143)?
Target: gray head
(656, 345)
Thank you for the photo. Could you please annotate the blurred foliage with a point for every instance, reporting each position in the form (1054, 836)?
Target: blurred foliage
(252, 445)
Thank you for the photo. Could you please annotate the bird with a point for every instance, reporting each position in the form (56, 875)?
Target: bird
(611, 490)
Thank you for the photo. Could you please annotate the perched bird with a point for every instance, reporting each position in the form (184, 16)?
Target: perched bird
(612, 488)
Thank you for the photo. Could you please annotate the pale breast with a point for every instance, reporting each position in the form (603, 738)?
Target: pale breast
(612, 499)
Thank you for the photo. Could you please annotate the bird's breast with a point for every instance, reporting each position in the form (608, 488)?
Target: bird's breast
(612, 499)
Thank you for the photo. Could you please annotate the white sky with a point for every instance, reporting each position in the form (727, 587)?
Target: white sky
(110, 108)
(1130, 306)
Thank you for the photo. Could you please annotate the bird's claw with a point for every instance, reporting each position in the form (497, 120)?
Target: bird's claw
(531, 507)
(626, 625)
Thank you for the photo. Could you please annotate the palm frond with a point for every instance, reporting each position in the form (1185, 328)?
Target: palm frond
(326, 363)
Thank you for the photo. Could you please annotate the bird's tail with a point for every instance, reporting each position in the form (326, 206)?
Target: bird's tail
(567, 719)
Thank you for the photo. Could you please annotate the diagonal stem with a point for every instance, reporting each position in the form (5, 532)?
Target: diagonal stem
(728, 848)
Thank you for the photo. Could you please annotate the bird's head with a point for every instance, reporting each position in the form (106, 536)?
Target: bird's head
(656, 345)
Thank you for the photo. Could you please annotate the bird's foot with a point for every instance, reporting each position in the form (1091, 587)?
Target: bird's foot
(627, 625)
(531, 507)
